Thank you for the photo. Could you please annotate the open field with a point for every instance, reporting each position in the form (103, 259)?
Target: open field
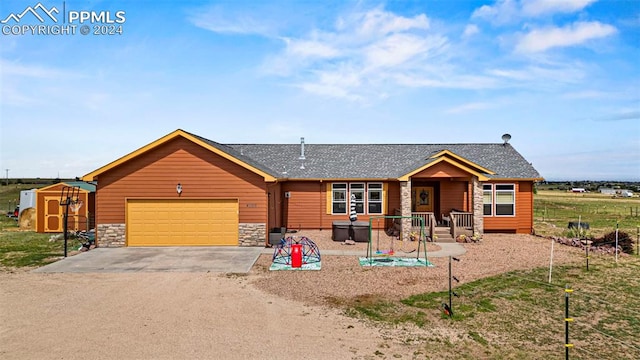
(554, 209)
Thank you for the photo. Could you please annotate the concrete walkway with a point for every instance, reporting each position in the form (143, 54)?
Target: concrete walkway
(446, 249)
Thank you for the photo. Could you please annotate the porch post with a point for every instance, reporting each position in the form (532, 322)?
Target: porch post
(405, 208)
(478, 207)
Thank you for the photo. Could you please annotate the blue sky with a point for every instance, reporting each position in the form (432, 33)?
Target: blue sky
(562, 77)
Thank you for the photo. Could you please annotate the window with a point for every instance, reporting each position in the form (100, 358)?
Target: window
(357, 189)
(487, 199)
(499, 199)
(369, 198)
(505, 200)
(375, 198)
(339, 198)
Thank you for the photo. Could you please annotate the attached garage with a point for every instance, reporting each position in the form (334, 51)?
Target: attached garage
(182, 222)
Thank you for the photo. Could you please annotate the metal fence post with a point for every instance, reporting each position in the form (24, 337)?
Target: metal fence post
(567, 320)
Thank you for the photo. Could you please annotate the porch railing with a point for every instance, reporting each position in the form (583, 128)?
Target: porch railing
(461, 222)
(428, 219)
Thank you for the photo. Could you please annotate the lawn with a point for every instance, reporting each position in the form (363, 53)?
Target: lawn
(26, 248)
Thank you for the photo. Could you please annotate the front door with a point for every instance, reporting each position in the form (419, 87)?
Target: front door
(423, 198)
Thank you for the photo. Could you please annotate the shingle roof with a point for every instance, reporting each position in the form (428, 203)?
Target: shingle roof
(375, 161)
(238, 155)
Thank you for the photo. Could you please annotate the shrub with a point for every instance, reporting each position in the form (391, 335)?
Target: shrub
(578, 233)
(624, 241)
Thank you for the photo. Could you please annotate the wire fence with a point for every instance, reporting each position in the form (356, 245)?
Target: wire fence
(604, 321)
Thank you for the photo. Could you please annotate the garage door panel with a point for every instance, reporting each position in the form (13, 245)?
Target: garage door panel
(182, 222)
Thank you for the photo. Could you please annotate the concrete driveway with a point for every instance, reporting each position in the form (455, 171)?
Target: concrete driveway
(160, 259)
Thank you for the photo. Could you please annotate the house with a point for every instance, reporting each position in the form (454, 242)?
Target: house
(185, 190)
(616, 192)
(608, 191)
(50, 214)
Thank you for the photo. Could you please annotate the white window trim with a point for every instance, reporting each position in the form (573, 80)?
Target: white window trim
(381, 201)
(492, 200)
(365, 200)
(365, 195)
(346, 198)
(495, 199)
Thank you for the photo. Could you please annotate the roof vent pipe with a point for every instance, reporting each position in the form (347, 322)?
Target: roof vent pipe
(506, 138)
(301, 149)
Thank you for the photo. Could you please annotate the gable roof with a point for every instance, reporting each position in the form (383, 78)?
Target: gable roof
(356, 161)
(214, 147)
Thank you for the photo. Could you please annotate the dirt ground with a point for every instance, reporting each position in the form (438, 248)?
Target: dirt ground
(260, 315)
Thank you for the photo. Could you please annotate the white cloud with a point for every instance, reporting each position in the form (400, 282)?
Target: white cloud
(504, 11)
(362, 54)
(378, 22)
(560, 73)
(469, 107)
(448, 81)
(512, 11)
(397, 49)
(544, 7)
(370, 54)
(470, 30)
(539, 40)
(311, 48)
(216, 20)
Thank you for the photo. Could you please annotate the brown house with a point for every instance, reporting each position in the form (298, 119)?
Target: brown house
(185, 190)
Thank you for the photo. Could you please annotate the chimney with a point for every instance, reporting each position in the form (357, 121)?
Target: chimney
(301, 149)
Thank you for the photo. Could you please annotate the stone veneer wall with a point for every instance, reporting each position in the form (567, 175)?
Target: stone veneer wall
(252, 234)
(111, 235)
(405, 208)
(478, 207)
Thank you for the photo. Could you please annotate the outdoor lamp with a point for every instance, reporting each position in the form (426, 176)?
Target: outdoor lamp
(179, 189)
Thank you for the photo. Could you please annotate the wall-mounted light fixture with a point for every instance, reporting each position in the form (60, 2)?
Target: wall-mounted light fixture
(179, 189)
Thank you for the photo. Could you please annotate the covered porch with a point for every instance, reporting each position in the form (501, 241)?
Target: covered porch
(448, 207)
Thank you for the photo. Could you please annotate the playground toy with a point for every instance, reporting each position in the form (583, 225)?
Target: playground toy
(389, 256)
(296, 253)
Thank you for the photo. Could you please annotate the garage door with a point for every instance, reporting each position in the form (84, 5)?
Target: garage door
(182, 222)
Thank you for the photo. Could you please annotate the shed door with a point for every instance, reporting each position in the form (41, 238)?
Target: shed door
(182, 222)
(53, 215)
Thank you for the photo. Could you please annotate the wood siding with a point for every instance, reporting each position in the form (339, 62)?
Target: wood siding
(201, 173)
(522, 222)
(306, 208)
(441, 170)
(453, 195)
(276, 201)
(82, 217)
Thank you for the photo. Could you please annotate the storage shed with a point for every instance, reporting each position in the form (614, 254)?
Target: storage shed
(50, 214)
